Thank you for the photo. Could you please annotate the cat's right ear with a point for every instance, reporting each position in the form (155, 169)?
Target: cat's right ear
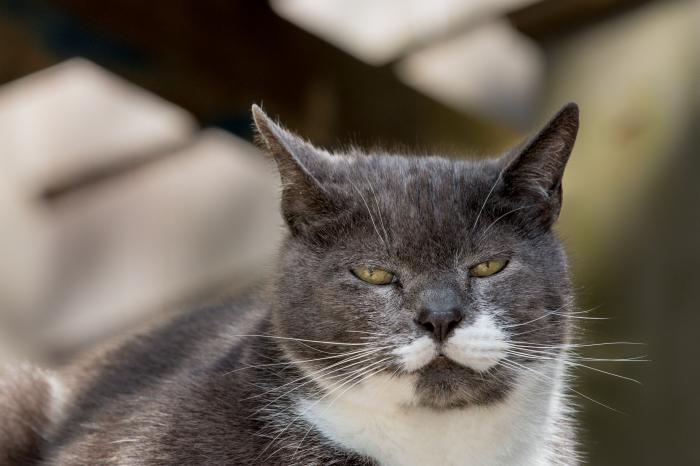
(304, 203)
(534, 176)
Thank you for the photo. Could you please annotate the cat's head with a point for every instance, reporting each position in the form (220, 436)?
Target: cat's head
(443, 274)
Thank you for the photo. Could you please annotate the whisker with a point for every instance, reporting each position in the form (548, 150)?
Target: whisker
(550, 379)
(379, 211)
(483, 234)
(292, 363)
(371, 217)
(526, 332)
(314, 404)
(570, 363)
(536, 319)
(582, 317)
(311, 380)
(577, 357)
(574, 345)
(369, 333)
(321, 371)
(495, 183)
(338, 343)
(586, 311)
(333, 402)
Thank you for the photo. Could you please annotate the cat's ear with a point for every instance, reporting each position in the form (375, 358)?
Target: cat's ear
(304, 202)
(534, 176)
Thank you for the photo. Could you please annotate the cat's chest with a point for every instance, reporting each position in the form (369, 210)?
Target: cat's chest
(394, 435)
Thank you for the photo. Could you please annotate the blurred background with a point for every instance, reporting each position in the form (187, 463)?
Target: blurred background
(129, 187)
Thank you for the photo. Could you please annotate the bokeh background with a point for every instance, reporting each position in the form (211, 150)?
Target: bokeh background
(129, 188)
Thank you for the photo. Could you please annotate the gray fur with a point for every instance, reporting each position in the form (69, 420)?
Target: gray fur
(204, 390)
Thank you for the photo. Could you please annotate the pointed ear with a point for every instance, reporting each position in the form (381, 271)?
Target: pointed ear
(304, 202)
(534, 176)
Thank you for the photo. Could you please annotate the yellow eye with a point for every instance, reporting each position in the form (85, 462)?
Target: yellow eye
(487, 268)
(373, 276)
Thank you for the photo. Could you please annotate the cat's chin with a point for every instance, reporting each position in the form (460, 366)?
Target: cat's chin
(446, 384)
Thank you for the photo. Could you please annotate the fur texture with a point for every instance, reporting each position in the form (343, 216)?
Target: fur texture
(321, 367)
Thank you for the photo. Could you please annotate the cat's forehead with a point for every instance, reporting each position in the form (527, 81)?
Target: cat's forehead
(415, 176)
(428, 205)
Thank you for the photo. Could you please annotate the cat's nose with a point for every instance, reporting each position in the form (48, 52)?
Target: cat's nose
(439, 322)
(439, 311)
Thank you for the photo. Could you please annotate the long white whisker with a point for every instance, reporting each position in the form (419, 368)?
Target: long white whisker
(573, 345)
(379, 211)
(581, 317)
(338, 343)
(323, 371)
(526, 332)
(549, 313)
(371, 217)
(314, 404)
(333, 401)
(495, 183)
(483, 234)
(549, 379)
(312, 380)
(575, 357)
(570, 363)
(292, 363)
(578, 357)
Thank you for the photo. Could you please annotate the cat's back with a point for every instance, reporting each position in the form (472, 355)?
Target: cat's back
(137, 402)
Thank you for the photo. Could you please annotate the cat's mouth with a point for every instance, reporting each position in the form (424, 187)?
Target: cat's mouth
(480, 347)
(445, 384)
(444, 364)
(442, 361)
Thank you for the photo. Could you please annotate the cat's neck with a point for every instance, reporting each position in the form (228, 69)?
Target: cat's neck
(376, 419)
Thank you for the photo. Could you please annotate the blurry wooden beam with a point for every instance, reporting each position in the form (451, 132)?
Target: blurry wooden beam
(216, 57)
(547, 20)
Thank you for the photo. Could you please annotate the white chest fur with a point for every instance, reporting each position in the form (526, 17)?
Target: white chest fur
(375, 419)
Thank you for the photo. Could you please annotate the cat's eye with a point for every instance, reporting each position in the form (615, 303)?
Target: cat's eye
(374, 275)
(488, 268)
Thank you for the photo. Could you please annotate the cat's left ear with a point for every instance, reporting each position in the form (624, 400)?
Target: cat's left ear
(534, 176)
(304, 203)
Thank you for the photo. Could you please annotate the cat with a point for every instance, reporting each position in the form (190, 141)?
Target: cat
(418, 315)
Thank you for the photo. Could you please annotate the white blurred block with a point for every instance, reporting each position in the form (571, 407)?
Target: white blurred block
(377, 31)
(204, 217)
(492, 69)
(76, 118)
(183, 213)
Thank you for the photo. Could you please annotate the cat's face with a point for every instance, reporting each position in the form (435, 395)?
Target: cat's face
(443, 274)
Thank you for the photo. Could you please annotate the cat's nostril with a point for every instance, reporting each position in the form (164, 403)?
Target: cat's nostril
(439, 323)
(451, 326)
(428, 326)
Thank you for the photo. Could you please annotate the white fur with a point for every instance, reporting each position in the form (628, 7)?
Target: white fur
(416, 354)
(57, 398)
(379, 417)
(479, 346)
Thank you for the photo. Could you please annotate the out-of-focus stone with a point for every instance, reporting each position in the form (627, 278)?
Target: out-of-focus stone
(203, 218)
(172, 215)
(75, 118)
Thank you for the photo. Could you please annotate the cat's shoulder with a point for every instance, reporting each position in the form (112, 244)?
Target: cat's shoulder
(145, 378)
